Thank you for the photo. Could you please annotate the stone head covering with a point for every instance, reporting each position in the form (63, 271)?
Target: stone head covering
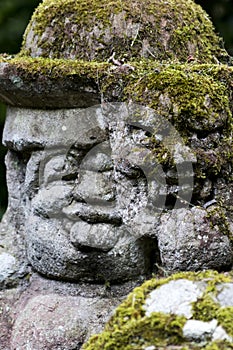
(70, 45)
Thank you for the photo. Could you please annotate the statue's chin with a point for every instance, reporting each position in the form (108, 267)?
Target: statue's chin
(52, 253)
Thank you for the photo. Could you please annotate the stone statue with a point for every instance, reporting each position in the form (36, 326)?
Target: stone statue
(84, 193)
(119, 161)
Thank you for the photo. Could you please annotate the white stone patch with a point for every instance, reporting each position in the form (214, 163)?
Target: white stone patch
(7, 265)
(198, 330)
(225, 296)
(195, 330)
(175, 297)
(151, 347)
(220, 334)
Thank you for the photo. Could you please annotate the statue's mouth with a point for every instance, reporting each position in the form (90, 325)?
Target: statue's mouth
(100, 213)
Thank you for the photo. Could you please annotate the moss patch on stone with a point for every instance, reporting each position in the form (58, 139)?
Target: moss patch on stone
(87, 29)
(192, 99)
(29, 68)
(195, 98)
(129, 328)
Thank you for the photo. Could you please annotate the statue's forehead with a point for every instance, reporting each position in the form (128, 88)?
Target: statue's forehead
(29, 129)
(32, 128)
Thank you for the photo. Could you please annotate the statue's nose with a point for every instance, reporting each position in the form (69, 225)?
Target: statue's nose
(94, 187)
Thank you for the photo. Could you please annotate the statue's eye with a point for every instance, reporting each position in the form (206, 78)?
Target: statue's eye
(139, 135)
(60, 168)
(97, 162)
(129, 170)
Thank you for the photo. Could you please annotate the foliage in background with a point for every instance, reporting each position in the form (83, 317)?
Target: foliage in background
(221, 12)
(14, 17)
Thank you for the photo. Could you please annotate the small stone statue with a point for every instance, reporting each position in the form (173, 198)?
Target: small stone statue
(119, 162)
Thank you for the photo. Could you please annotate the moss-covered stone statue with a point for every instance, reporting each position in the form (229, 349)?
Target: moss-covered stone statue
(119, 137)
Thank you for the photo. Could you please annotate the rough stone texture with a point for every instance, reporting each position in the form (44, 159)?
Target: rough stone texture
(187, 241)
(225, 295)
(59, 322)
(105, 218)
(103, 194)
(43, 91)
(44, 314)
(191, 319)
(90, 210)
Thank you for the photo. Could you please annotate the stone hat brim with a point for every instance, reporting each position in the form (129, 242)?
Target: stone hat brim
(50, 83)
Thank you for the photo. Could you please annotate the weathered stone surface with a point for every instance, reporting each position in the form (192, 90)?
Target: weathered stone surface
(191, 318)
(7, 266)
(90, 210)
(58, 322)
(67, 35)
(188, 241)
(92, 179)
(43, 91)
(8, 300)
(225, 295)
(37, 129)
(43, 314)
(103, 194)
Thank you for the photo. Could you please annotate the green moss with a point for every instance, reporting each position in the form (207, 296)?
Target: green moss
(129, 328)
(87, 29)
(163, 329)
(181, 94)
(219, 345)
(225, 317)
(205, 308)
(30, 68)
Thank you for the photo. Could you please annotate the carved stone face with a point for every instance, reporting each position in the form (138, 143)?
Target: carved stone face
(88, 207)
(103, 194)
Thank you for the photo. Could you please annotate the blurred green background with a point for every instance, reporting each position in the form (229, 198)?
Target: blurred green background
(15, 14)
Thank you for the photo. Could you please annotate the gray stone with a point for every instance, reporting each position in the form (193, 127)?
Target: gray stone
(99, 193)
(81, 189)
(100, 237)
(94, 183)
(53, 128)
(57, 322)
(188, 241)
